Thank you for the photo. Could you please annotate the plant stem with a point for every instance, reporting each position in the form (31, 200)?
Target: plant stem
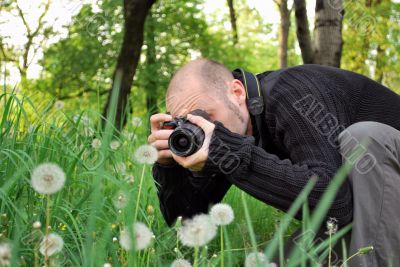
(330, 248)
(196, 255)
(352, 256)
(139, 192)
(222, 245)
(47, 228)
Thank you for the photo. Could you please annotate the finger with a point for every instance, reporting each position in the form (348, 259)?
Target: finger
(160, 144)
(157, 119)
(201, 122)
(165, 154)
(159, 135)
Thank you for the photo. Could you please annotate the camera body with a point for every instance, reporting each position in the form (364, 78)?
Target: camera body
(187, 138)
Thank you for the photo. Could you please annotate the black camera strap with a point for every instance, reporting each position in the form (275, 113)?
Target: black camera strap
(254, 99)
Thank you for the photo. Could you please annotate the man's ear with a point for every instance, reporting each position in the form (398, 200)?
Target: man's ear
(238, 91)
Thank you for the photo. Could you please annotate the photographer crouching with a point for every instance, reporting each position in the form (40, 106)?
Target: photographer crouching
(268, 134)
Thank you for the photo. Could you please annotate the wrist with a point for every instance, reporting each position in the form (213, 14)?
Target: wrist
(223, 154)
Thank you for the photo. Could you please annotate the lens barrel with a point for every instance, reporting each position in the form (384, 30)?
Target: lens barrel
(186, 139)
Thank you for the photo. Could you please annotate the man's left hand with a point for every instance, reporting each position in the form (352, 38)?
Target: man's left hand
(197, 161)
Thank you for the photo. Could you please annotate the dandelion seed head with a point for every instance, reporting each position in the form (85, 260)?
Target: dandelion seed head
(255, 259)
(115, 239)
(88, 131)
(51, 244)
(331, 225)
(136, 121)
(130, 179)
(5, 254)
(120, 200)
(142, 234)
(181, 263)
(222, 214)
(31, 128)
(115, 144)
(146, 154)
(59, 105)
(96, 143)
(107, 265)
(47, 178)
(37, 225)
(120, 167)
(198, 231)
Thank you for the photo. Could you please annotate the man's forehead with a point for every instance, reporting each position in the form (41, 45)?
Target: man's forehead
(181, 104)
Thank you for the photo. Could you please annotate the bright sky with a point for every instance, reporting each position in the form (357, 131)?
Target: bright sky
(61, 11)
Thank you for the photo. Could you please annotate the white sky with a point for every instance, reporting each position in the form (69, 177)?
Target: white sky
(61, 11)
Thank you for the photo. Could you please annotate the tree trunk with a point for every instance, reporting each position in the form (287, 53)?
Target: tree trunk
(232, 14)
(135, 12)
(284, 32)
(303, 32)
(328, 32)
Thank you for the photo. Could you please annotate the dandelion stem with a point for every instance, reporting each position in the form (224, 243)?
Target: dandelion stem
(330, 248)
(139, 193)
(222, 245)
(348, 259)
(36, 261)
(47, 228)
(196, 256)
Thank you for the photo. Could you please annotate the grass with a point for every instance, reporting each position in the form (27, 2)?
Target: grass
(82, 213)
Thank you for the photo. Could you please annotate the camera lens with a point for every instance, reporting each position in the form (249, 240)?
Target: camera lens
(186, 139)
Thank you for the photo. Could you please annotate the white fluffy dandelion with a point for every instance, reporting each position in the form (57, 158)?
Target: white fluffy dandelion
(84, 120)
(31, 128)
(146, 154)
(129, 178)
(181, 263)
(5, 254)
(59, 105)
(120, 167)
(51, 244)
(142, 234)
(222, 214)
(332, 226)
(136, 121)
(96, 143)
(115, 144)
(107, 265)
(47, 178)
(121, 200)
(36, 225)
(198, 231)
(255, 259)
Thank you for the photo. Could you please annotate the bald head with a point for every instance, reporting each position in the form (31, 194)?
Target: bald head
(203, 74)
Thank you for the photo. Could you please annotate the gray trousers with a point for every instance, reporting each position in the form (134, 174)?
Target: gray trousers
(375, 180)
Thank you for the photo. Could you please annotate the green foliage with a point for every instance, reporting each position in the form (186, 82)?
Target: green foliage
(371, 40)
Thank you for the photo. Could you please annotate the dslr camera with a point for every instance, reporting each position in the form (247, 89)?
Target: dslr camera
(187, 138)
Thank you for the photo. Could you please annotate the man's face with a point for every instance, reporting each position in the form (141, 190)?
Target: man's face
(219, 108)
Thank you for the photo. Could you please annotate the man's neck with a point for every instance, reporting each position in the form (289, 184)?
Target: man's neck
(249, 130)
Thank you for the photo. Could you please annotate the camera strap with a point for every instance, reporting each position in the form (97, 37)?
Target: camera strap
(254, 99)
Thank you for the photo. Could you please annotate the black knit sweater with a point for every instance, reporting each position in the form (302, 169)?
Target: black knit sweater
(306, 108)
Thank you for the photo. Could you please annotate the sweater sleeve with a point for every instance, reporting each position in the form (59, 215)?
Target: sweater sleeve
(185, 193)
(275, 180)
(272, 180)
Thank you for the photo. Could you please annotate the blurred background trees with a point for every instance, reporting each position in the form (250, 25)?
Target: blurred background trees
(148, 40)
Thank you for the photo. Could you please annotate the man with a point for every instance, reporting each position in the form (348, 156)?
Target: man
(305, 109)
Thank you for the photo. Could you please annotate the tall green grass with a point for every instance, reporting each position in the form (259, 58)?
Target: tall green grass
(83, 213)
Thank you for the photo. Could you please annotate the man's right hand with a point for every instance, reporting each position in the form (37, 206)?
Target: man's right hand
(159, 138)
